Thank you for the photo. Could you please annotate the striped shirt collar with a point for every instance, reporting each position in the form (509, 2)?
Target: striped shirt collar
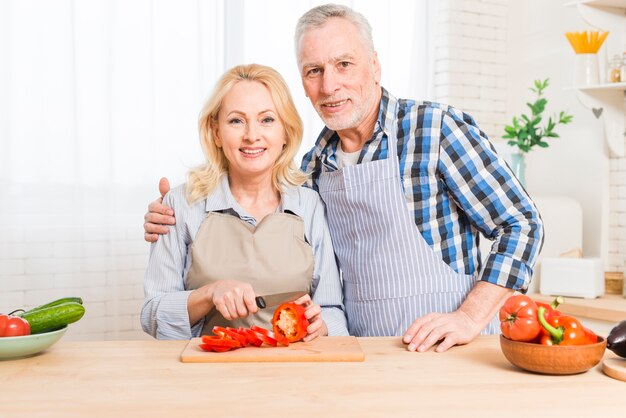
(222, 199)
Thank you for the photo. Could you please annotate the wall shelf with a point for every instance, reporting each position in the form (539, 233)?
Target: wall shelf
(599, 3)
(606, 86)
(606, 100)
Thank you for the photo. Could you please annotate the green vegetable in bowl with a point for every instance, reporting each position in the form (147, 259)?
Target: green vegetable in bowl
(53, 317)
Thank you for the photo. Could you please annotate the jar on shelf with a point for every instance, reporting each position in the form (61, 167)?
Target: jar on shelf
(622, 73)
(615, 69)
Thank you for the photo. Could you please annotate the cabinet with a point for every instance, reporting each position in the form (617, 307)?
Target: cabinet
(606, 100)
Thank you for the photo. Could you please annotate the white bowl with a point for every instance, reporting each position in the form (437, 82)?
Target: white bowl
(28, 345)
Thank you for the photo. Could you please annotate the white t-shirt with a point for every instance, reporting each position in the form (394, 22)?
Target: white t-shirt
(346, 159)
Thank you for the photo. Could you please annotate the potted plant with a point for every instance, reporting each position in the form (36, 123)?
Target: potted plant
(529, 131)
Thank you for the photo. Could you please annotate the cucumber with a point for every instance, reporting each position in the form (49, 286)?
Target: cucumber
(55, 303)
(54, 317)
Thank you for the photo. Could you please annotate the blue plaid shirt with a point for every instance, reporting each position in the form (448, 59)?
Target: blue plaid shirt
(454, 185)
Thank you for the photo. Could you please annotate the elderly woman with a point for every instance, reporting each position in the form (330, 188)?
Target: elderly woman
(244, 225)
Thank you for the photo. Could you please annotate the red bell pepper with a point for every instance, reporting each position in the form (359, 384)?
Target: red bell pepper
(518, 319)
(289, 322)
(562, 330)
(551, 308)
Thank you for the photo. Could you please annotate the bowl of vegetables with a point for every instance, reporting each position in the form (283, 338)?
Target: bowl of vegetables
(26, 333)
(555, 359)
(28, 345)
(537, 337)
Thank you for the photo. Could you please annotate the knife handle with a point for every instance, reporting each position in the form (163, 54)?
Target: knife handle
(260, 302)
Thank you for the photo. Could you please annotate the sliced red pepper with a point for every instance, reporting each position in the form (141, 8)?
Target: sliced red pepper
(266, 335)
(218, 341)
(253, 338)
(289, 322)
(230, 333)
(563, 330)
(217, 349)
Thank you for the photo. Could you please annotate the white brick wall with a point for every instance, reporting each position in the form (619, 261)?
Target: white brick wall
(470, 74)
(104, 266)
(617, 220)
(470, 60)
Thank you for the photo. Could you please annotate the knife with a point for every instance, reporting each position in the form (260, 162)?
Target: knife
(278, 298)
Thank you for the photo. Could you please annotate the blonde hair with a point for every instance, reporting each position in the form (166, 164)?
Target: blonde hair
(202, 180)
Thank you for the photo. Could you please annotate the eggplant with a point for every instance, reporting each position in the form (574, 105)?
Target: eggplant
(616, 341)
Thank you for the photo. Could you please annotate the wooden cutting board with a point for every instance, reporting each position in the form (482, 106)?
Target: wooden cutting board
(615, 367)
(320, 349)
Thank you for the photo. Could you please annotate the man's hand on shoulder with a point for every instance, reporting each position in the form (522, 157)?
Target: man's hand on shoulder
(159, 216)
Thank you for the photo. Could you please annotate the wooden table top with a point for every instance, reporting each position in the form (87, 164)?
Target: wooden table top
(147, 379)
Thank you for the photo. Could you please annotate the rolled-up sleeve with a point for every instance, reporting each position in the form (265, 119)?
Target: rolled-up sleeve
(164, 313)
(485, 188)
(326, 286)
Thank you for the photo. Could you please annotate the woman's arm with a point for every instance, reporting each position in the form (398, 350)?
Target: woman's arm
(164, 314)
(326, 288)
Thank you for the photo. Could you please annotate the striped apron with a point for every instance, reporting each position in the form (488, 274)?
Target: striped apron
(391, 276)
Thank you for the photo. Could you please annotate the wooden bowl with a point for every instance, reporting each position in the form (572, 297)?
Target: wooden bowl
(553, 359)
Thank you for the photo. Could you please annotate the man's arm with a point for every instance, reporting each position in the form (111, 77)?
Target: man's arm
(498, 206)
(159, 216)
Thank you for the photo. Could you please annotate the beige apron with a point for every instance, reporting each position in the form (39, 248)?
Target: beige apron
(273, 258)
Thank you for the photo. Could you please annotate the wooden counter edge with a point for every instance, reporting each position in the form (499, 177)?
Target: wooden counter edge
(610, 308)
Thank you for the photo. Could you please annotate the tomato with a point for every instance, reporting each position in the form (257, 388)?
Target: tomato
(289, 322)
(13, 326)
(518, 319)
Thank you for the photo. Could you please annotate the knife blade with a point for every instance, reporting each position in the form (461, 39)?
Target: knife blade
(276, 299)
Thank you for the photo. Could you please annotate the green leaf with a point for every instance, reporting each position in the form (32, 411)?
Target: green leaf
(540, 105)
(543, 144)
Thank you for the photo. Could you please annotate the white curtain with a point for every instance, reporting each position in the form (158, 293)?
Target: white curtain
(105, 93)
(99, 99)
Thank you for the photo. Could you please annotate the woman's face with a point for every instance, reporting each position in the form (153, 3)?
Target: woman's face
(249, 131)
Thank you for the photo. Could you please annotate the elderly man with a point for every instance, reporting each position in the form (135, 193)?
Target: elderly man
(408, 186)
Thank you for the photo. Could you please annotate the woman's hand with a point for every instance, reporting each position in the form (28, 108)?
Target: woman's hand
(233, 299)
(317, 326)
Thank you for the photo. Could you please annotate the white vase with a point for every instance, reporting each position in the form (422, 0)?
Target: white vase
(586, 70)
(518, 166)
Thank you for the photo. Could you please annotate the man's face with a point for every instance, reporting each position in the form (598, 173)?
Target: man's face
(340, 74)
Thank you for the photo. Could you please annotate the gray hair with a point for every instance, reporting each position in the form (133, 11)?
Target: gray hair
(318, 16)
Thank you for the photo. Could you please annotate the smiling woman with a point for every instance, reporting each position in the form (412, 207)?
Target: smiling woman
(244, 226)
